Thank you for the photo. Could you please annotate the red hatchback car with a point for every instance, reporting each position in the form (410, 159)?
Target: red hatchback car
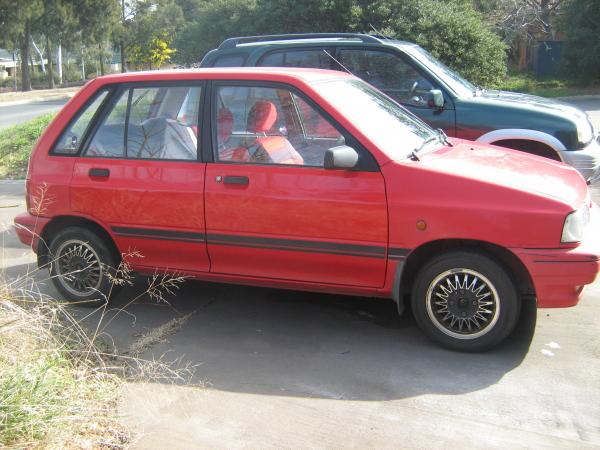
(304, 179)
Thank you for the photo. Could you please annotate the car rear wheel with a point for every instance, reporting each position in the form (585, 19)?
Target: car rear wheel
(80, 264)
(465, 301)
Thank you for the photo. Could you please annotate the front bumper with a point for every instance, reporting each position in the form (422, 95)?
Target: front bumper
(585, 160)
(559, 275)
(29, 229)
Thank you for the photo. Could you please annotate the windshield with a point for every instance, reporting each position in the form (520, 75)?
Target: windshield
(388, 125)
(452, 79)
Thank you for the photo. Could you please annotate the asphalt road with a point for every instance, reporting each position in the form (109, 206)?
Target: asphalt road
(291, 369)
(15, 114)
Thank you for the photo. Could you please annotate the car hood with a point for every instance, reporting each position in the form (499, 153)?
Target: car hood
(533, 102)
(510, 169)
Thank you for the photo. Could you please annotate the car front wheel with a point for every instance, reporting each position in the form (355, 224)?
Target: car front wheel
(465, 301)
(80, 263)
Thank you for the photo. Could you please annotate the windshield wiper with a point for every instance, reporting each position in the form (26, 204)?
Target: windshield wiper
(443, 136)
(422, 146)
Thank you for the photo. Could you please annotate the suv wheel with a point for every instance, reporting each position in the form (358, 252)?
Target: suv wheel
(465, 301)
(79, 265)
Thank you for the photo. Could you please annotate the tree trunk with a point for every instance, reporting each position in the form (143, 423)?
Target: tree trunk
(24, 48)
(82, 64)
(50, 71)
(101, 59)
(123, 63)
(59, 63)
(40, 54)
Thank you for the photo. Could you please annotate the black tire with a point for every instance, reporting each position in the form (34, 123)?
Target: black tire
(465, 301)
(79, 263)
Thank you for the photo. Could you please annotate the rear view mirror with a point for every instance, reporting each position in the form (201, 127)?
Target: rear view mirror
(436, 99)
(341, 157)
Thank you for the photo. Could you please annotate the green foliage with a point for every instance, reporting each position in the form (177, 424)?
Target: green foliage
(451, 30)
(155, 53)
(213, 22)
(581, 56)
(16, 143)
(148, 30)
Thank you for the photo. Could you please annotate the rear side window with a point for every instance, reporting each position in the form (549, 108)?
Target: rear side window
(316, 59)
(230, 61)
(109, 139)
(70, 141)
(150, 123)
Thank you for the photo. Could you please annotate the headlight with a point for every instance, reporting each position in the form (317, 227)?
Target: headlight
(585, 131)
(575, 224)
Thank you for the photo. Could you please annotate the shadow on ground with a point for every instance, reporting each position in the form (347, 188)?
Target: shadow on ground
(277, 342)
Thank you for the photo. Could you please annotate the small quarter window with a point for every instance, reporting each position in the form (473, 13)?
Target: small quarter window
(70, 141)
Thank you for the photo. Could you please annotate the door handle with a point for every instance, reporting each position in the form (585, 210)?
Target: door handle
(243, 180)
(99, 173)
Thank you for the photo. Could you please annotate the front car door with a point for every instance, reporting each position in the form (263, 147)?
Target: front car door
(399, 78)
(140, 175)
(272, 210)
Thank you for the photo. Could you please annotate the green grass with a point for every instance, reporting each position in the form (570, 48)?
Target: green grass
(16, 143)
(53, 393)
(545, 87)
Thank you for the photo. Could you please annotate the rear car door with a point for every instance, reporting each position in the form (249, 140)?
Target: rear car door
(400, 79)
(140, 176)
(272, 209)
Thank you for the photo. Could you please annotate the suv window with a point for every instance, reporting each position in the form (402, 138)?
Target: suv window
(162, 124)
(389, 73)
(230, 61)
(316, 59)
(70, 141)
(271, 126)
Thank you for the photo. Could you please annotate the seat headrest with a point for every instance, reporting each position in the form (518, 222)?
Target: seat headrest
(224, 124)
(262, 117)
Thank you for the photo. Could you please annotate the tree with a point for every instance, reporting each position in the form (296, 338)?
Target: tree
(451, 29)
(16, 20)
(581, 55)
(147, 26)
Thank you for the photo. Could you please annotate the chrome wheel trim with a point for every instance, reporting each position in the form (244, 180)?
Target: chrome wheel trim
(78, 268)
(471, 320)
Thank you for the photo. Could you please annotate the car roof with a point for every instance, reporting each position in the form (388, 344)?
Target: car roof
(237, 73)
(308, 38)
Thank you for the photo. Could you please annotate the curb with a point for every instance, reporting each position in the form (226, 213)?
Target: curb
(37, 99)
(580, 97)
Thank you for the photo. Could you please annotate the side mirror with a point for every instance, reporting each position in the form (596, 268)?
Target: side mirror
(436, 99)
(340, 157)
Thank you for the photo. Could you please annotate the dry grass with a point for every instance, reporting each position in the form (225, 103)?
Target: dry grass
(59, 384)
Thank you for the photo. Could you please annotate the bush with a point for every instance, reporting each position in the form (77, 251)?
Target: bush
(16, 143)
(581, 55)
(450, 30)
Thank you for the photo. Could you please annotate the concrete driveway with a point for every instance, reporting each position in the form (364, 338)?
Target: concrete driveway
(290, 369)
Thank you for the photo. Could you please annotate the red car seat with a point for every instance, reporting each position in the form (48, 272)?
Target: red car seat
(270, 149)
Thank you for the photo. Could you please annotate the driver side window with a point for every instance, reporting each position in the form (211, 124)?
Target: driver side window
(389, 73)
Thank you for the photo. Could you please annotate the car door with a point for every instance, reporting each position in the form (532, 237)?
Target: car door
(400, 79)
(139, 175)
(272, 210)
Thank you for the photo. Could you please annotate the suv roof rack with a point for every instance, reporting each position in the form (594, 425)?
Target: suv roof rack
(235, 41)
